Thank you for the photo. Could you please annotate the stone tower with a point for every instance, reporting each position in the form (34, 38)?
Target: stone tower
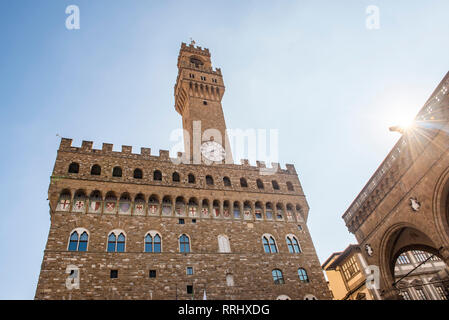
(130, 225)
(198, 93)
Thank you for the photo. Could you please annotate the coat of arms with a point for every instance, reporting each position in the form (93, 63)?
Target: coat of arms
(415, 204)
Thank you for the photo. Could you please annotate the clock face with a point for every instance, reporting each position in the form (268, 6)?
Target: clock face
(213, 151)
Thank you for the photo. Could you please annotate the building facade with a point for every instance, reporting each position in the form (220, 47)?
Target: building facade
(142, 226)
(346, 275)
(405, 204)
(418, 276)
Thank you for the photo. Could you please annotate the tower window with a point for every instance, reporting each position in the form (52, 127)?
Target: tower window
(278, 278)
(243, 183)
(114, 274)
(303, 277)
(290, 186)
(260, 184)
(176, 177)
(189, 289)
(184, 244)
(157, 175)
(96, 170)
(152, 274)
(205, 102)
(74, 167)
(275, 185)
(189, 271)
(117, 172)
(227, 182)
(138, 174)
(191, 178)
(209, 180)
(181, 221)
(192, 76)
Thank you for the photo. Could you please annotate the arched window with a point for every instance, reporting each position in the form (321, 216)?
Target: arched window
(74, 167)
(205, 208)
(95, 202)
(116, 243)
(293, 244)
(260, 184)
(303, 277)
(184, 244)
(110, 204)
(175, 177)
(243, 183)
(125, 204)
(236, 210)
(157, 175)
(269, 211)
(117, 172)
(153, 205)
(167, 206)
(275, 185)
(269, 244)
(153, 242)
(139, 205)
(180, 206)
(223, 244)
(96, 170)
(227, 182)
(191, 178)
(209, 180)
(290, 186)
(278, 278)
(138, 174)
(226, 213)
(79, 202)
(216, 208)
(310, 297)
(64, 201)
(193, 207)
(279, 212)
(78, 243)
(258, 210)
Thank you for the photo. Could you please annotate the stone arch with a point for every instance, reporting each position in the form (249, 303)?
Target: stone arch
(400, 238)
(440, 206)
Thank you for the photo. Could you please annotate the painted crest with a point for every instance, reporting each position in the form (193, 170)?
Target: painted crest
(153, 209)
(289, 216)
(216, 212)
(110, 206)
(192, 211)
(247, 212)
(95, 206)
(226, 212)
(369, 250)
(205, 211)
(64, 204)
(124, 206)
(166, 210)
(415, 204)
(139, 208)
(79, 205)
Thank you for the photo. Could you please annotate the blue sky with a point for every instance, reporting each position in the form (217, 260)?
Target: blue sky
(308, 68)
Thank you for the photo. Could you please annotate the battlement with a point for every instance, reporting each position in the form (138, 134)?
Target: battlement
(195, 49)
(164, 155)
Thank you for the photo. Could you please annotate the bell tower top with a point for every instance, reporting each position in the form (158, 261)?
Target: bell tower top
(199, 90)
